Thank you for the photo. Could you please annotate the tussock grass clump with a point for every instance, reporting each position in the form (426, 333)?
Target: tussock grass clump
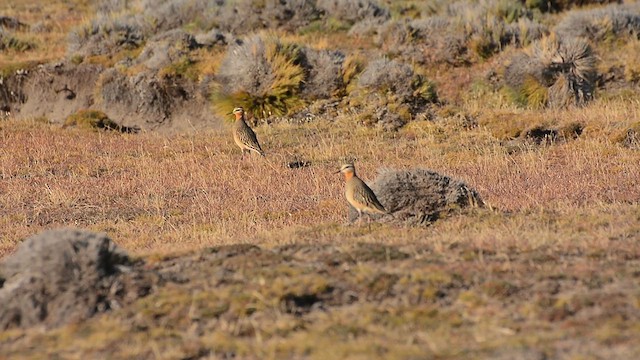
(10, 42)
(264, 75)
(95, 119)
(323, 74)
(602, 24)
(491, 25)
(391, 93)
(420, 196)
(270, 77)
(554, 71)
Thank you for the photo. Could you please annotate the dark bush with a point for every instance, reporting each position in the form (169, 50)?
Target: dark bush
(11, 23)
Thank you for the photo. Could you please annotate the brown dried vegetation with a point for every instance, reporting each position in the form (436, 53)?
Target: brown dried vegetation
(512, 102)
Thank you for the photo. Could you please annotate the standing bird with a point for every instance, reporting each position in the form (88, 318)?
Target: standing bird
(244, 137)
(358, 194)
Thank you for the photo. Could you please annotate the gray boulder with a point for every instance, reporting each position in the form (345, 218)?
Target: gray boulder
(67, 275)
(419, 196)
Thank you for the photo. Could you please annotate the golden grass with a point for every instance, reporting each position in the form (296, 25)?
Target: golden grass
(57, 17)
(155, 193)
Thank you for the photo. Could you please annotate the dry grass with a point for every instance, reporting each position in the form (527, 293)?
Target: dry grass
(548, 270)
(155, 193)
(55, 18)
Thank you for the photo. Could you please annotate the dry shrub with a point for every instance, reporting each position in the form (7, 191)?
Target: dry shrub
(352, 11)
(488, 25)
(420, 196)
(554, 71)
(235, 16)
(390, 93)
(167, 48)
(562, 5)
(467, 32)
(429, 40)
(602, 24)
(107, 35)
(166, 15)
(290, 14)
(323, 73)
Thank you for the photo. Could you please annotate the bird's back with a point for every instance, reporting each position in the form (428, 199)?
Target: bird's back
(361, 197)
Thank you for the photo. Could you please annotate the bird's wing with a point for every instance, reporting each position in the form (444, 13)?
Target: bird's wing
(365, 195)
(250, 140)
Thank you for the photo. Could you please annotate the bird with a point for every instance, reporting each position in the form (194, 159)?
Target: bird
(358, 194)
(243, 135)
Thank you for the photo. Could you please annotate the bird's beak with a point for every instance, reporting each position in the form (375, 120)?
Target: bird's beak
(231, 113)
(336, 172)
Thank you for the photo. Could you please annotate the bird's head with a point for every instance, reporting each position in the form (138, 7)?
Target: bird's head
(238, 112)
(347, 169)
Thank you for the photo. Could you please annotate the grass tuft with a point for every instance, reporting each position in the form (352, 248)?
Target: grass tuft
(263, 75)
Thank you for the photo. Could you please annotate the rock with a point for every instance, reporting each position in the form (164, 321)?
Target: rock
(66, 275)
(419, 196)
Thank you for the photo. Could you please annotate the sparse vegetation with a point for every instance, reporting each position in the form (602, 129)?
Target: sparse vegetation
(498, 103)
